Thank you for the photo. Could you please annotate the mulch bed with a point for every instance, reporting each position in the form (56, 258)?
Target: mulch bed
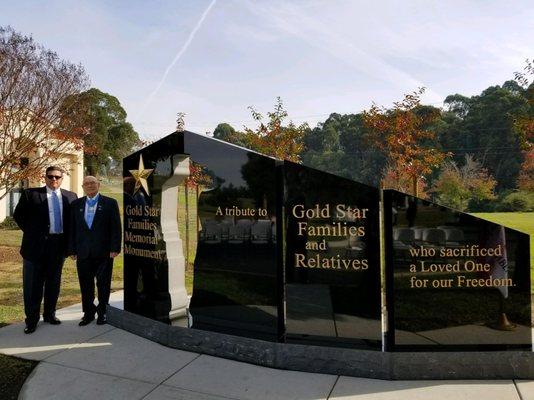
(14, 372)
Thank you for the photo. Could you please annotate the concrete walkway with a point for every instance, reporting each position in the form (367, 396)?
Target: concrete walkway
(103, 362)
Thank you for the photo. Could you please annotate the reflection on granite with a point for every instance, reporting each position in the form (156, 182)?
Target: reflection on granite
(452, 277)
(332, 263)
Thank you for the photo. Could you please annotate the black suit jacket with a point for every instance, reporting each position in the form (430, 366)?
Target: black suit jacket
(31, 215)
(104, 236)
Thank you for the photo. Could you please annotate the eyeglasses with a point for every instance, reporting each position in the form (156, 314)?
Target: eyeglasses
(54, 177)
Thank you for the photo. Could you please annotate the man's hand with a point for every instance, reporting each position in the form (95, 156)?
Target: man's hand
(73, 256)
(113, 254)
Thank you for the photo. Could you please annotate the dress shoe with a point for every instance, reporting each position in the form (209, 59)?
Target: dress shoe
(30, 329)
(52, 320)
(102, 320)
(86, 320)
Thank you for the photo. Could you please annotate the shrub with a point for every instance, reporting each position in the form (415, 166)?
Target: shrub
(8, 224)
(469, 186)
(517, 201)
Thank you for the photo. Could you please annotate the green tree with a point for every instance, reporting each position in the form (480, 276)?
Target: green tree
(111, 136)
(467, 186)
(458, 105)
(485, 126)
(322, 149)
(339, 146)
(226, 132)
(122, 138)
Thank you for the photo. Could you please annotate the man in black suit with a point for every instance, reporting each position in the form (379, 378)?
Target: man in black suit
(43, 215)
(95, 240)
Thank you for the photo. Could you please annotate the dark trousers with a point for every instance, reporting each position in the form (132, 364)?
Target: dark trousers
(43, 276)
(90, 269)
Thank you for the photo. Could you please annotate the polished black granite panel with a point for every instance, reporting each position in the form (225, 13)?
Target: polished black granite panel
(291, 254)
(332, 259)
(146, 286)
(454, 281)
(236, 279)
(237, 285)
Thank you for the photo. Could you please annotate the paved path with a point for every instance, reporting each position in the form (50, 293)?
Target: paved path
(103, 362)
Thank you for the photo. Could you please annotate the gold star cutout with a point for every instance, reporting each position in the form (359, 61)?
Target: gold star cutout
(140, 176)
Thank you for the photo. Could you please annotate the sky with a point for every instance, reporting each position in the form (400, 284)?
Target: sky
(211, 59)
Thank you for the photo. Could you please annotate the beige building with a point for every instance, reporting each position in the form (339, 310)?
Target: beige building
(71, 160)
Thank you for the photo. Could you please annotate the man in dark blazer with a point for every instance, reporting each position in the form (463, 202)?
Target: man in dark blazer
(95, 240)
(43, 215)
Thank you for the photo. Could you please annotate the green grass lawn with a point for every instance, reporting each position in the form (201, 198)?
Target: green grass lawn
(11, 300)
(521, 221)
(10, 238)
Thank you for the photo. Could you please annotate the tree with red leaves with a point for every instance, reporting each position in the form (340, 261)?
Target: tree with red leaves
(402, 133)
(526, 174)
(39, 119)
(273, 138)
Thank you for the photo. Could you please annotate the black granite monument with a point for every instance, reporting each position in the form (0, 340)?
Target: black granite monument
(289, 254)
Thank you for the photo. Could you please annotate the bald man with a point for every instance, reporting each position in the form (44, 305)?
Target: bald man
(94, 242)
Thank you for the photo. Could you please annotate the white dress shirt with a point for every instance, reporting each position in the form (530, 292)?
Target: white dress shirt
(51, 207)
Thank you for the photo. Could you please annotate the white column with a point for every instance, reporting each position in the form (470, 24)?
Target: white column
(3, 206)
(171, 236)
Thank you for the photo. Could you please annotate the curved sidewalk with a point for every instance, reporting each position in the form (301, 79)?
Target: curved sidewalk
(107, 363)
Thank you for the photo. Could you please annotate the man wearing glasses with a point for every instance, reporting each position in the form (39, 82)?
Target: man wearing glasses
(95, 240)
(43, 215)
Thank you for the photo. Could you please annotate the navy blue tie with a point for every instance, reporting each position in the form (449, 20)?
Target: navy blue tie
(58, 226)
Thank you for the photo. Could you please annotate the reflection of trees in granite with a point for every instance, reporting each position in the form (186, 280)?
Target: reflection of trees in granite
(259, 174)
(235, 284)
(224, 196)
(213, 191)
(200, 176)
(348, 292)
(428, 309)
(466, 308)
(231, 288)
(411, 211)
